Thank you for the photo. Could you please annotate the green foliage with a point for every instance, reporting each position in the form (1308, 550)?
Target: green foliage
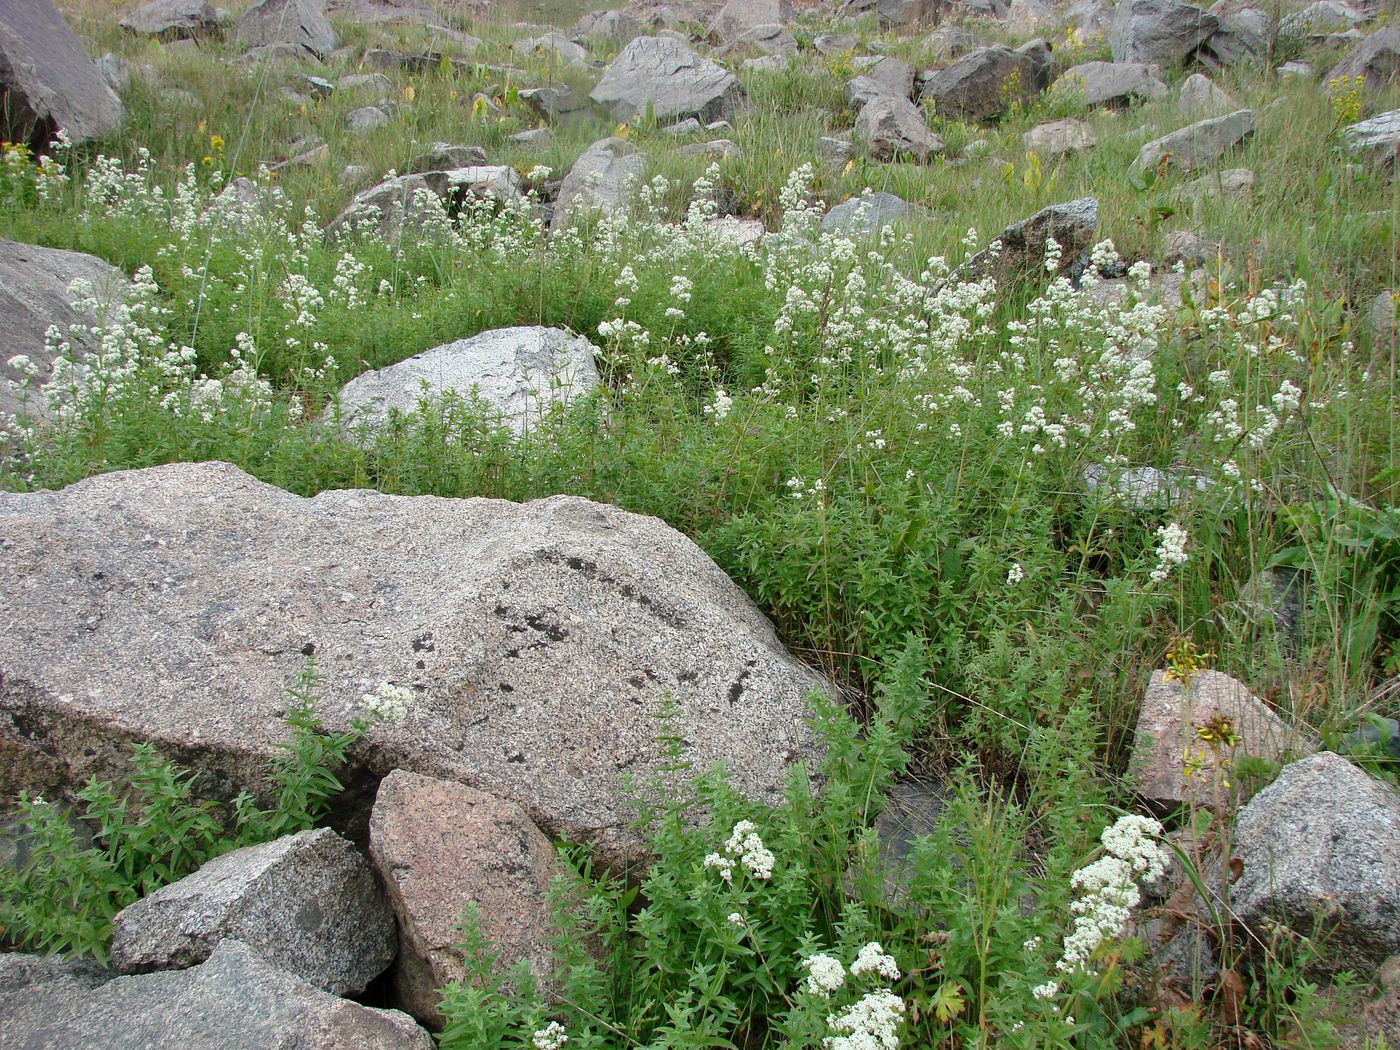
(153, 831)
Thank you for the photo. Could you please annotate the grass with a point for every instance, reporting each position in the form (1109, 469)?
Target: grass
(891, 465)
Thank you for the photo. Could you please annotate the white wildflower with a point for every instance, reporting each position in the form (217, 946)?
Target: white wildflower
(872, 958)
(824, 975)
(389, 702)
(550, 1037)
(1171, 551)
(1015, 574)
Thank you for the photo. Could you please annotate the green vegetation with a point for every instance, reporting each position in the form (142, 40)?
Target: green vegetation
(890, 459)
(153, 829)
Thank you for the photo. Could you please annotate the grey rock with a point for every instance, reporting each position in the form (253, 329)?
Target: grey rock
(1072, 225)
(1199, 95)
(766, 64)
(1380, 736)
(1378, 137)
(1246, 34)
(1230, 184)
(554, 103)
(1111, 83)
(834, 150)
(47, 81)
(553, 43)
(1321, 845)
(898, 13)
(233, 1001)
(539, 138)
(317, 87)
(1383, 319)
(689, 126)
(1059, 137)
(116, 71)
(739, 233)
(172, 19)
(1166, 741)
(892, 127)
(715, 149)
(860, 90)
(1273, 599)
(446, 156)
(834, 43)
(34, 285)
(521, 373)
(308, 904)
(1190, 248)
(1092, 18)
(912, 810)
(1199, 144)
(1030, 18)
(1320, 19)
(1294, 69)
(354, 177)
(370, 83)
(440, 846)
(866, 214)
(892, 74)
(1141, 488)
(1041, 52)
(615, 27)
(738, 17)
(1165, 31)
(950, 41)
(1377, 59)
(538, 640)
(243, 202)
(387, 12)
(770, 39)
(366, 118)
(667, 79)
(301, 23)
(395, 206)
(982, 83)
(605, 177)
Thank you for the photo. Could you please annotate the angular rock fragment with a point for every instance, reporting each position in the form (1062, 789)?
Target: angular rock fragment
(308, 904)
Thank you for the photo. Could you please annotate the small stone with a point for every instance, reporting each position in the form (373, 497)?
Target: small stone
(1058, 137)
(1198, 144)
(366, 118)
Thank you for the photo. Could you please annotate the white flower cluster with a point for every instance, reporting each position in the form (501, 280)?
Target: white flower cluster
(871, 1023)
(721, 406)
(551, 1037)
(1171, 551)
(1109, 891)
(825, 975)
(389, 702)
(874, 959)
(747, 849)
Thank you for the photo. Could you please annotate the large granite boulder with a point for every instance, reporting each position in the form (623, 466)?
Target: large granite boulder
(34, 294)
(1376, 59)
(1199, 144)
(894, 127)
(982, 83)
(605, 177)
(233, 1001)
(539, 641)
(665, 78)
(1164, 31)
(1176, 765)
(440, 846)
(173, 19)
(1110, 83)
(308, 904)
(520, 373)
(893, 14)
(1320, 848)
(47, 81)
(299, 23)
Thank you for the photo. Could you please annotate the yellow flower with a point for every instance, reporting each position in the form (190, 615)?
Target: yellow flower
(216, 143)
